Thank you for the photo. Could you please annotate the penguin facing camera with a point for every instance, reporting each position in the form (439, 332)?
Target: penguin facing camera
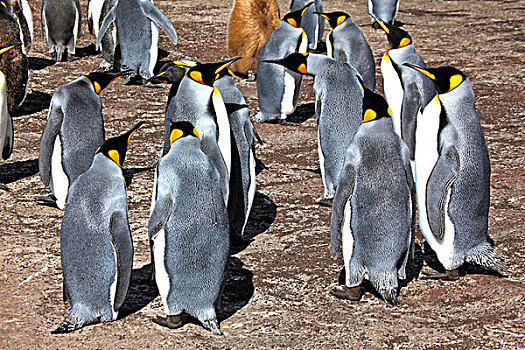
(338, 106)
(373, 213)
(345, 42)
(137, 38)
(95, 239)
(73, 131)
(278, 88)
(61, 24)
(407, 92)
(188, 231)
(452, 171)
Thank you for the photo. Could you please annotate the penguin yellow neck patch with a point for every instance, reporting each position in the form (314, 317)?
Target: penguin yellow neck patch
(389, 111)
(386, 57)
(97, 87)
(115, 156)
(175, 135)
(455, 80)
(369, 115)
(196, 133)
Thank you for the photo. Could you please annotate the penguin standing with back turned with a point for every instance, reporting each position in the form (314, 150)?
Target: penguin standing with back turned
(61, 23)
(384, 9)
(346, 43)
(338, 106)
(374, 206)
(452, 171)
(313, 25)
(95, 239)
(137, 23)
(73, 131)
(188, 231)
(97, 11)
(278, 88)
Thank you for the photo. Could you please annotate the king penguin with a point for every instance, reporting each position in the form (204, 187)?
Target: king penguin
(338, 106)
(278, 88)
(453, 175)
(21, 11)
(73, 131)
(137, 24)
(373, 211)
(406, 91)
(6, 121)
(95, 239)
(384, 9)
(97, 11)
(13, 63)
(188, 231)
(61, 22)
(312, 24)
(346, 43)
(200, 103)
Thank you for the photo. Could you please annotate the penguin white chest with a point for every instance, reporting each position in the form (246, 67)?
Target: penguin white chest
(4, 114)
(94, 12)
(330, 45)
(393, 91)
(161, 274)
(347, 238)
(223, 123)
(59, 181)
(153, 50)
(287, 106)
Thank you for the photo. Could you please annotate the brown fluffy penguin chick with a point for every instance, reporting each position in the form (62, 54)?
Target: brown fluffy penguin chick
(251, 23)
(13, 63)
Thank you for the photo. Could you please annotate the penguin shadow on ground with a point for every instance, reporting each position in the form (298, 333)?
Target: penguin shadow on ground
(11, 172)
(142, 290)
(432, 261)
(301, 114)
(413, 269)
(34, 102)
(39, 63)
(262, 215)
(129, 174)
(89, 50)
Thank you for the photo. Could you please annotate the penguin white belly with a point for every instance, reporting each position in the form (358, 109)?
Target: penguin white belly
(161, 274)
(321, 163)
(287, 106)
(76, 29)
(154, 192)
(303, 46)
(426, 155)
(21, 36)
(316, 34)
(113, 288)
(26, 11)
(94, 12)
(251, 189)
(223, 123)
(154, 48)
(329, 46)
(347, 240)
(4, 114)
(59, 183)
(393, 91)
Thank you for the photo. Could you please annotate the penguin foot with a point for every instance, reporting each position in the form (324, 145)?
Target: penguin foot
(104, 66)
(66, 327)
(149, 84)
(449, 275)
(171, 322)
(50, 201)
(285, 122)
(251, 75)
(213, 326)
(326, 202)
(155, 161)
(343, 292)
(71, 58)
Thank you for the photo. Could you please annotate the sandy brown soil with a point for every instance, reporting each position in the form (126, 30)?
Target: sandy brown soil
(276, 294)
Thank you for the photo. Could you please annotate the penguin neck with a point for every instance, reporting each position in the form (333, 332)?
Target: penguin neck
(101, 161)
(316, 63)
(89, 83)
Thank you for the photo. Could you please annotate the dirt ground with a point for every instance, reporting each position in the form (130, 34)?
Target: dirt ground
(276, 294)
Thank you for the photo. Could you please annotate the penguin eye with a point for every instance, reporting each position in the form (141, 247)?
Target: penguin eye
(369, 115)
(455, 80)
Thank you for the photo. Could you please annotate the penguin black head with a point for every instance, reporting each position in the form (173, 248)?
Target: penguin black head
(171, 74)
(445, 78)
(207, 73)
(296, 62)
(397, 37)
(294, 18)
(334, 18)
(101, 80)
(6, 48)
(115, 148)
(180, 129)
(374, 106)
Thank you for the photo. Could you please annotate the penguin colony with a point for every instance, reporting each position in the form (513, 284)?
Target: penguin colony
(380, 158)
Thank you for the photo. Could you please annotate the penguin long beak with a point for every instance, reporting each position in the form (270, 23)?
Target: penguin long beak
(380, 22)
(159, 78)
(227, 63)
(421, 70)
(306, 8)
(132, 131)
(9, 47)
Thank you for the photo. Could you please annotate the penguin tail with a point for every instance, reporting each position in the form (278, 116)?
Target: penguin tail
(66, 327)
(386, 285)
(213, 326)
(390, 296)
(485, 256)
(79, 317)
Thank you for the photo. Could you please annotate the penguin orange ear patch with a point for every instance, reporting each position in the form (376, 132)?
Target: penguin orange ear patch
(196, 133)
(115, 156)
(175, 135)
(404, 42)
(197, 76)
(340, 19)
(97, 87)
(302, 68)
(389, 111)
(369, 115)
(292, 22)
(455, 80)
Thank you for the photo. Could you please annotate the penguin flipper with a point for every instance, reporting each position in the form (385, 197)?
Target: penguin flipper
(156, 15)
(342, 195)
(121, 240)
(47, 142)
(409, 109)
(110, 17)
(9, 138)
(405, 155)
(439, 183)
